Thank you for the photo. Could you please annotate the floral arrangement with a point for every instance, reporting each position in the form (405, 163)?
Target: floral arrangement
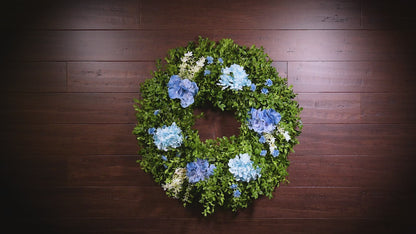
(225, 172)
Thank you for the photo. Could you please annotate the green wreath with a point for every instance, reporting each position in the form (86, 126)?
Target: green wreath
(224, 172)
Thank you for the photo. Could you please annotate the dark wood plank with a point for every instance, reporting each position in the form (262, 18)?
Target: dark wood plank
(107, 170)
(70, 108)
(351, 171)
(353, 139)
(87, 14)
(281, 45)
(68, 139)
(388, 108)
(329, 107)
(263, 14)
(34, 77)
(387, 15)
(375, 76)
(28, 170)
(209, 225)
(151, 202)
(108, 76)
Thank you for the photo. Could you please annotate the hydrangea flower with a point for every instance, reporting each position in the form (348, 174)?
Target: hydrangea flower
(164, 158)
(170, 136)
(185, 90)
(263, 152)
(221, 60)
(234, 77)
(264, 91)
(207, 72)
(199, 170)
(263, 121)
(210, 59)
(156, 112)
(262, 139)
(269, 82)
(242, 168)
(233, 186)
(253, 87)
(275, 153)
(151, 131)
(237, 193)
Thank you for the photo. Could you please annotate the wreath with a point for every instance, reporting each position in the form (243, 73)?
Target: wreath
(224, 172)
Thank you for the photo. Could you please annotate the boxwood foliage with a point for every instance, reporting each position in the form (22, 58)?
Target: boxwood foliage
(216, 191)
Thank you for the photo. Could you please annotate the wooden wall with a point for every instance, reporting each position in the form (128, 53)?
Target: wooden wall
(70, 72)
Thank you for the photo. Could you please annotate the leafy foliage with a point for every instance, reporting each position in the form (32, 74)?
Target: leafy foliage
(215, 191)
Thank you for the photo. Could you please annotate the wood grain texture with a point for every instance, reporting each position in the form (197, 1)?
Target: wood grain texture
(374, 76)
(284, 45)
(265, 14)
(70, 71)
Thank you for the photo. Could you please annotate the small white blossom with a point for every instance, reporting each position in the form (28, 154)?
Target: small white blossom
(270, 140)
(175, 185)
(284, 133)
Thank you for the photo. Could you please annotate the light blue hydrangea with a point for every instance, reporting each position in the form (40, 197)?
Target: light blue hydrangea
(166, 137)
(234, 77)
(264, 91)
(253, 87)
(164, 158)
(210, 59)
(269, 82)
(199, 170)
(275, 153)
(262, 139)
(220, 60)
(233, 186)
(263, 152)
(242, 168)
(207, 72)
(185, 90)
(237, 193)
(156, 112)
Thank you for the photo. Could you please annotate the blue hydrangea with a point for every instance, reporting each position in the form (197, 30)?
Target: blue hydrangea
(275, 153)
(166, 137)
(263, 121)
(151, 131)
(242, 168)
(220, 60)
(207, 72)
(264, 91)
(263, 152)
(164, 158)
(156, 112)
(234, 77)
(199, 170)
(269, 82)
(262, 139)
(210, 59)
(233, 186)
(185, 90)
(253, 87)
(237, 193)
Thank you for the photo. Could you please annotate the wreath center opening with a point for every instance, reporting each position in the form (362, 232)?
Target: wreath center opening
(215, 123)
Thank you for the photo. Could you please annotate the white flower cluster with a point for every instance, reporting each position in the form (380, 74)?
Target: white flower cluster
(270, 140)
(177, 181)
(189, 67)
(284, 133)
